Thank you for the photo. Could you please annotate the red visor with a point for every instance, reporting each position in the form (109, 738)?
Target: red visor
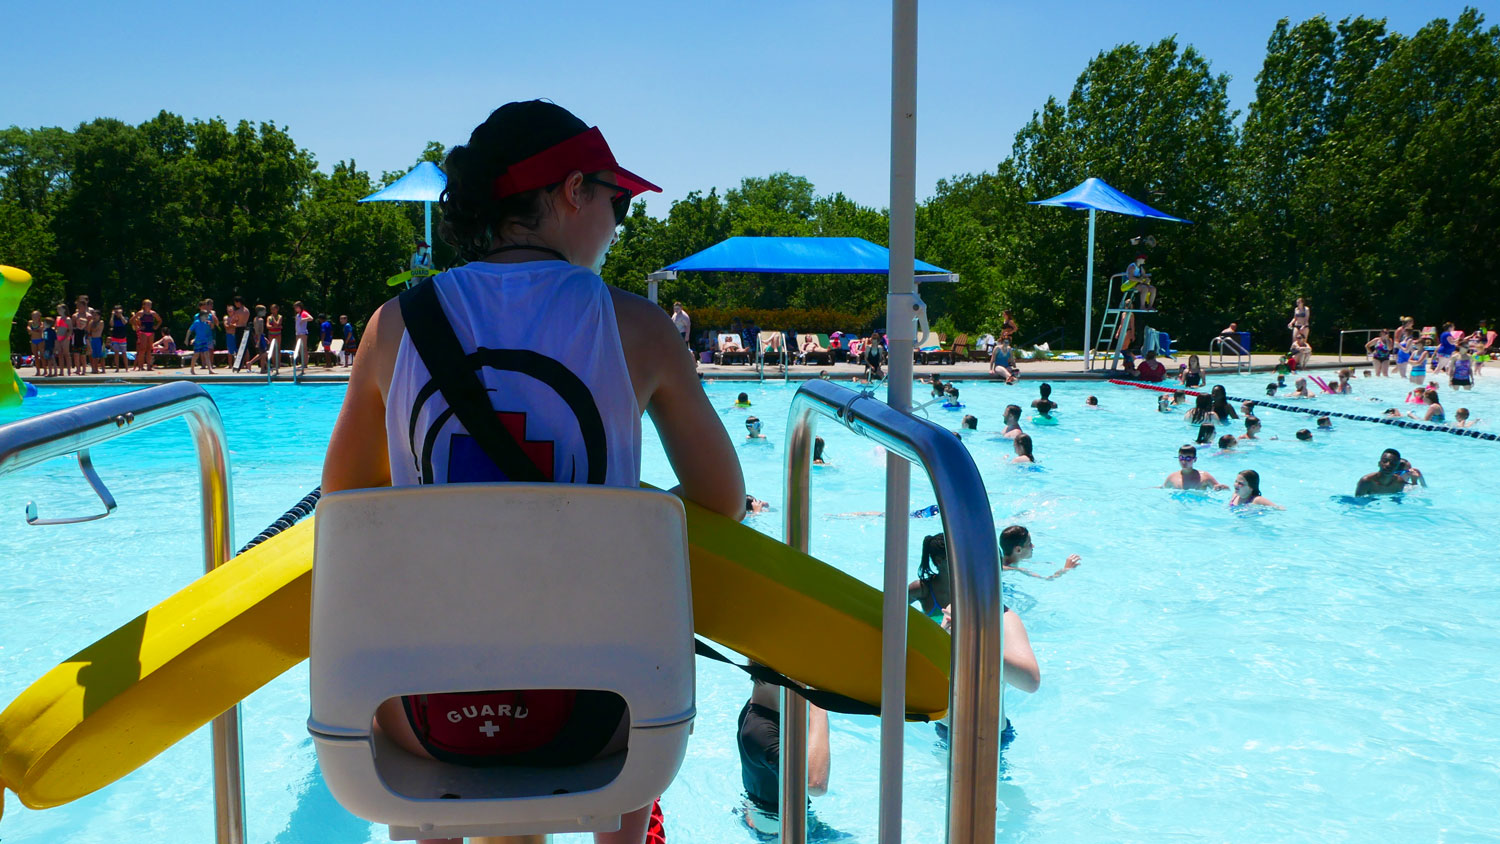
(586, 152)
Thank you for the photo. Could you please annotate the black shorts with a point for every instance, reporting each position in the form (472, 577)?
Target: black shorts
(1461, 382)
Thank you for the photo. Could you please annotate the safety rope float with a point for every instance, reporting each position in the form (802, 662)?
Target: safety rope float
(1398, 421)
(289, 518)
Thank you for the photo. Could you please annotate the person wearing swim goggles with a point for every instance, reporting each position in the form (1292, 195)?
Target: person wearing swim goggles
(752, 429)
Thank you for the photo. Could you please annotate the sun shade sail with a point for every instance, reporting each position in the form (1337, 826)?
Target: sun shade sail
(424, 183)
(1098, 195)
(831, 255)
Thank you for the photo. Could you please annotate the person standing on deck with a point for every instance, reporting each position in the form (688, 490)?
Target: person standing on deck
(684, 323)
(236, 327)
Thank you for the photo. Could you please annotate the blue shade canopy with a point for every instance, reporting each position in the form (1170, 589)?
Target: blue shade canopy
(1098, 195)
(424, 183)
(830, 255)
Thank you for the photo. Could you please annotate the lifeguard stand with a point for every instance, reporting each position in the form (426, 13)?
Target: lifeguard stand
(1111, 341)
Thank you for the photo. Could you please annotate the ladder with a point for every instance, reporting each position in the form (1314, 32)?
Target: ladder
(1111, 342)
(1224, 345)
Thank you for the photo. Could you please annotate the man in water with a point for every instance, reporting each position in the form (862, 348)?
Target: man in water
(1188, 477)
(1392, 478)
(1012, 422)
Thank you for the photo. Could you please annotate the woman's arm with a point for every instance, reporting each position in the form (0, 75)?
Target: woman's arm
(1021, 669)
(817, 751)
(357, 456)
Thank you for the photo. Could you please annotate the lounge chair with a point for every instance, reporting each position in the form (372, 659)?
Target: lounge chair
(938, 353)
(772, 344)
(737, 353)
(818, 351)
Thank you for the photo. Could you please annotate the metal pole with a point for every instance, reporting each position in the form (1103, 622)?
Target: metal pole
(975, 683)
(793, 790)
(1088, 301)
(427, 221)
(901, 333)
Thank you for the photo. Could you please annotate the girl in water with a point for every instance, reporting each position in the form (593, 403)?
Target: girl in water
(1221, 405)
(1022, 444)
(1247, 491)
(1434, 409)
(1193, 375)
(532, 204)
(1202, 412)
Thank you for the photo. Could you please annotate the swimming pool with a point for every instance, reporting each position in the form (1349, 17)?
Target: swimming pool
(1323, 672)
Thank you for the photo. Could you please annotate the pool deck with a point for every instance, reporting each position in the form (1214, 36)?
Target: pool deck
(1050, 370)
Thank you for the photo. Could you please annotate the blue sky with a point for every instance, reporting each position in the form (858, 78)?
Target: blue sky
(691, 95)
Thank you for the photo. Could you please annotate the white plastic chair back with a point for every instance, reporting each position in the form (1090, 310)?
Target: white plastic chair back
(473, 587)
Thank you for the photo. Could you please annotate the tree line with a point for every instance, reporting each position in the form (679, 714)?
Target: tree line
(1364, 176)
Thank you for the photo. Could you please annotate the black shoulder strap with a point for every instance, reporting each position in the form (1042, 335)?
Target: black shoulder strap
(444, 357)
(438, 346)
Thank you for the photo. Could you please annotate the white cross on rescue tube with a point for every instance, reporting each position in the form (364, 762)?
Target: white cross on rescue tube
(489, 729)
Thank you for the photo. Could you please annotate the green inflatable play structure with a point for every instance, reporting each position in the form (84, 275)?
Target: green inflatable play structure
(13, 285)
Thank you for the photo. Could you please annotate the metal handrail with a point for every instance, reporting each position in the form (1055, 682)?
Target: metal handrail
(27, 442)
(297, 353)
(273, 360)
(1365, 331)
(1223, 343)
(975, 704)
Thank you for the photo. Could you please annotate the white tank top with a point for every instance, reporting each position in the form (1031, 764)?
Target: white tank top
(543, 337)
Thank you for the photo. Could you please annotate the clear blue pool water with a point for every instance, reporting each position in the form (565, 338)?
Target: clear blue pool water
(1323, 673)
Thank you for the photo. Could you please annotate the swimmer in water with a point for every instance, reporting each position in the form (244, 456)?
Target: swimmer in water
(1227, 442)
(1300, 389)
(1016, 547)
(743, 400)
(1247, 491)
(1461, 419)
(1391, 411)
(1023, 449)
(1434, 409)
(1304, 435)
(752, 429)
(1187, 477)
(1179, 397)
(1091, 401)
(1012, 422)
(1205, 434)
(754, 505)
(1163, 404)
(1271, 389)
(1393, 476)
(818, 452)
(1044, 405)
(1325, 423)
(1247, 408)
(1252, 427)
(937, 386)
(970, 423)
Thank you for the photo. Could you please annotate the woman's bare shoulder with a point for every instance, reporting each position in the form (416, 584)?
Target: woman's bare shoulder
(642, 317)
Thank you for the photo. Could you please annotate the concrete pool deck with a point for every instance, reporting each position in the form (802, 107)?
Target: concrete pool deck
(1049, 370)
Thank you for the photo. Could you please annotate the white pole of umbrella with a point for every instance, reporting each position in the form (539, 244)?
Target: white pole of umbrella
(1088, 302)
(901, 303)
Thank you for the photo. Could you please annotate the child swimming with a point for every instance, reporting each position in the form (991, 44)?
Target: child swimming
(532, 204)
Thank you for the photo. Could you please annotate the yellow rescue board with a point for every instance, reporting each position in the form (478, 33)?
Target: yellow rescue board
(118, 703)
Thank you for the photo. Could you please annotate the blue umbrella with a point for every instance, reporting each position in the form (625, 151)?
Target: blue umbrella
(424, 184)
(1096, 195)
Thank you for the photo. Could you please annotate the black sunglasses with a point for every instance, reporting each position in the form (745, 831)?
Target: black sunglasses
(619, 200)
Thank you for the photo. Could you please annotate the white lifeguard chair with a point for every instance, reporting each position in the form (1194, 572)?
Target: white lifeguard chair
(472, 587)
